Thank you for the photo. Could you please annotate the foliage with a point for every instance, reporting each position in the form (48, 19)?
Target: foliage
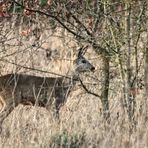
(65, 140)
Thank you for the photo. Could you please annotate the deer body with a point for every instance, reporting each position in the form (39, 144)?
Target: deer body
(34, 89)
(44, 91)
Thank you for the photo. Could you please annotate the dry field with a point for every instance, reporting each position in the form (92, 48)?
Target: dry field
(81, 121)
(80, 125)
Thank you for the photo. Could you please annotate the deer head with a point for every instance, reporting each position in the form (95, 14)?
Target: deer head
(81, 63)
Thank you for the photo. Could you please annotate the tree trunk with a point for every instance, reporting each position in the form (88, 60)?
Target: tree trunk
(146, 84)
(146, 73)
(130, 99)
(105, 88)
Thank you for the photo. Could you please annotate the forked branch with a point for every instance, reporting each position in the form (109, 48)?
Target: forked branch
(88, 91)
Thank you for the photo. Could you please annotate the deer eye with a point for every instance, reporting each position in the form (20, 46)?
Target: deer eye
(83, 61)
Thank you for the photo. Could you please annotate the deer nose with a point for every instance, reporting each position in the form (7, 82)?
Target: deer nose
(93, 69)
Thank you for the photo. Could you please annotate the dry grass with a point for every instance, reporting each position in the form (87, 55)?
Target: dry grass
(81, 122)
(27, 126)
(80, 125)
(85, 117)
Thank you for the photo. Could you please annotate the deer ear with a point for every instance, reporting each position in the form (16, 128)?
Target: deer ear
(85, 49)
(82, 51)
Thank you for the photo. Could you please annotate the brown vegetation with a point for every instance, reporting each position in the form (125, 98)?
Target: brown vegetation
(107, 108)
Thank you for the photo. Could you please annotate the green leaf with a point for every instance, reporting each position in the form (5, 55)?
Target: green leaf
(43, 2)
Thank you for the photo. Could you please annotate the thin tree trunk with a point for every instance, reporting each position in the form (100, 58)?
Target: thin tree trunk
(123, 97)
(146, 69)
(105, 88)
(146, 73)
(130, 99)
(146, 84)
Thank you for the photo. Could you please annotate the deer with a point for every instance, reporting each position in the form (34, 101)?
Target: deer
(16, 88)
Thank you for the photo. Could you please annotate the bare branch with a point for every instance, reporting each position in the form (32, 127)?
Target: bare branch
(33, 69)
(88, 91)
(79, 22)
(52, 16)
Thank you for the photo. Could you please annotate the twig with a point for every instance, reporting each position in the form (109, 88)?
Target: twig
(88, 91)
(34, 69)
(52, 16)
